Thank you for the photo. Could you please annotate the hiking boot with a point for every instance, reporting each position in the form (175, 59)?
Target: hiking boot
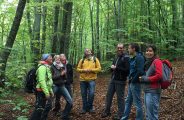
(65, 118)
(82, 112)
(55, 111)
(104, 115)
(116, 117)
(92, 110)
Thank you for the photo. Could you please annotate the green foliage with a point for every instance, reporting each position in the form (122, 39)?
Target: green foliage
(106, 66)
(22, 118)
(17, 102)
(15, 75)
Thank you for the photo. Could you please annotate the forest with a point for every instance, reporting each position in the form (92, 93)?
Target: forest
(29, 28)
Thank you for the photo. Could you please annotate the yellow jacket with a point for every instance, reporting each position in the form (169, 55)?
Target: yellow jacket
(92, 66)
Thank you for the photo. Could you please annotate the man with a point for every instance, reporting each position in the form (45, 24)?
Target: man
(134, 89)
(120, 71)
(88, 67)
(44, 91)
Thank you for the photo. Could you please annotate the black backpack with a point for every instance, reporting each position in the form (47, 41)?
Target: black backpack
(30, 81)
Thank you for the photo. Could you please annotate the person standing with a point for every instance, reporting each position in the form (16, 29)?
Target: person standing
(59, 78)
(120, 71)
(134, 88)
(88, 67)
(44, 90)
(69, 73)
(151, 81)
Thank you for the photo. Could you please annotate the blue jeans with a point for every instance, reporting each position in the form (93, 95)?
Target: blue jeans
(87, 93)
(69, 88)
(42, 107)
(62, 91)
(119, 88)
(152, 101)
(134, 96)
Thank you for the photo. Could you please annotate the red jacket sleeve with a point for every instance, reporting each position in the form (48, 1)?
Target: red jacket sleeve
(158, 72)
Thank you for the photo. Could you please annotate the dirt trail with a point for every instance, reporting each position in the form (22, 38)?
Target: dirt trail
(171, 108)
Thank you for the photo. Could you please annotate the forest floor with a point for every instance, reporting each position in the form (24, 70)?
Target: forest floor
(171, 107)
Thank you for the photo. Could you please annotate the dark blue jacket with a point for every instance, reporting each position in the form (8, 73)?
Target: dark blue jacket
(136, 67)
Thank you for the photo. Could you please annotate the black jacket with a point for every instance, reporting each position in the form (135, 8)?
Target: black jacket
(122, 68)
(69, 73)
(56, 76)
(65, 79)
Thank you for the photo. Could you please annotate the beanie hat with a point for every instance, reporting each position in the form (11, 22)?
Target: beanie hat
(45, 56)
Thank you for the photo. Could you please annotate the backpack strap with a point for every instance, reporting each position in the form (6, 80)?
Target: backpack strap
(94, 60)
(167, 63)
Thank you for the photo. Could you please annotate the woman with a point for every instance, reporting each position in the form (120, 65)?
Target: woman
(59, 75)
(151, 80)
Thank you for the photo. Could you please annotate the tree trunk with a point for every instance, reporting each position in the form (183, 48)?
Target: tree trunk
(183, 13)
(108, 22)
(4, 54)
(149, 15)
(119, 20)
(92, 28)
(74, 43)
(66, 28)
(36, 31)
(174, 21)
(97, 30)
(116, 20)
(159, 19)
(44, 27)
(55, 34)
(2, 30)
(142, 20)
(107, 29)
(81, 30)
(29, 23)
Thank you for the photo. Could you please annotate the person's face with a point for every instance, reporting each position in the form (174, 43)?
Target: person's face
(88, 52)
(131, 50)
(57, 60)
(149, 52)
(63, 59)
(120, 49)
(49, 60)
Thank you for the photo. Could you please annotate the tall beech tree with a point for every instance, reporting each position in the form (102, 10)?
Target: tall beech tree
(66, 28)
(4, 54)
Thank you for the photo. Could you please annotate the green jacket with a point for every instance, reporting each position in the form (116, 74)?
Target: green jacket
(44, 79)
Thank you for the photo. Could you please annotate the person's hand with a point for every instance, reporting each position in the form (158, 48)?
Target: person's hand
(86, 70)
(52, 94)
(140, 78)
(47, 97)
(63, 72)
(113, 67)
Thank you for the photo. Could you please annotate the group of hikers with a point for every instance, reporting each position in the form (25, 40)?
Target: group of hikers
(54, 80)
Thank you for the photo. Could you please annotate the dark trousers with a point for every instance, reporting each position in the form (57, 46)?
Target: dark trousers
(42, 107)
(119, 88)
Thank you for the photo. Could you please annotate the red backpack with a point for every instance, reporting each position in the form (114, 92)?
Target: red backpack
(167, 75)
